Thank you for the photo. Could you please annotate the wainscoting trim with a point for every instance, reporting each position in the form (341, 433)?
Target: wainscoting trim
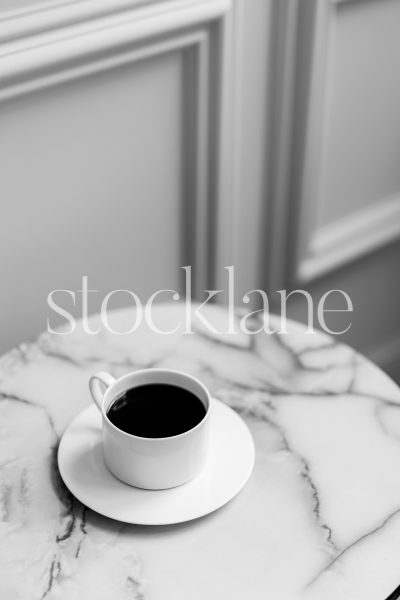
(78, 40)
(49, 18)
(55, 55)
(351, 237)
(318, 250)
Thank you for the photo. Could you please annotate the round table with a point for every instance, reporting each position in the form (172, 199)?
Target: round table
(318, 519)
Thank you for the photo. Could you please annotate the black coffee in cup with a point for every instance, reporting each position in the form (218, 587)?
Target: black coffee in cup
(156, 410)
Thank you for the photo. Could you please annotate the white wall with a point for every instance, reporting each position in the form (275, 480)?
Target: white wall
(109, 128)
(342, 225)
(141, 136)
(88, 187)
(362, 109)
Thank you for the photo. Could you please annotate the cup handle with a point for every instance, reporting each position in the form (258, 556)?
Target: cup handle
(95, 386)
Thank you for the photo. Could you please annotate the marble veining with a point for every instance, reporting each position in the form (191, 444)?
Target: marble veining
(318, 519)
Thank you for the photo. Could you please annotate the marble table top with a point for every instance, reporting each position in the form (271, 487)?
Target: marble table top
(318, 519)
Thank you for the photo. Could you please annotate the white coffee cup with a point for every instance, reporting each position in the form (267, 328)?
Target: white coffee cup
(151, 463)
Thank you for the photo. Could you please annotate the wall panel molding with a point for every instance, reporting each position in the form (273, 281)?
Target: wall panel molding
(67, 48)
(317, 250)
(284, 44)
(349, 238)
(305, 250)
(50, 18)
(245, 125)
(51, 46)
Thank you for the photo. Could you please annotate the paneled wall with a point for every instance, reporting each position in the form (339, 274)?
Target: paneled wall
(351, 181)
(137, 137)
(337, 222)
(110, 118)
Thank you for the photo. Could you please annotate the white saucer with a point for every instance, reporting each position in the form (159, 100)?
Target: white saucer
(230, 462)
